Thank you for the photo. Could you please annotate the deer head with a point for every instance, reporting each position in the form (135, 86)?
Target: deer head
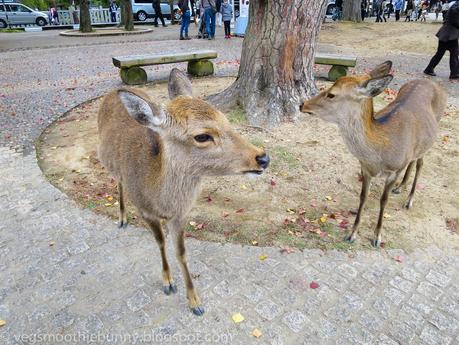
(195, 136)
(348, 95)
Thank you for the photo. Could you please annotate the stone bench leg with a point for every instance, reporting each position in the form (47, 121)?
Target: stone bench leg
(336, 72)
(133, 75)
(200, 68)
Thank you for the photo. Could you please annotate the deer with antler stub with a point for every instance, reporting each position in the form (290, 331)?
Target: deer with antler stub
(385, 142)
(159, 154)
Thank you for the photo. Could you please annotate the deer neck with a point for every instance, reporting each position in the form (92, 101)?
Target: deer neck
(180, 182)
(360, 133)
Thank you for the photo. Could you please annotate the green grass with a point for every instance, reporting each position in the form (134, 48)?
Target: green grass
(237, 116)
(282, 157)
(11, 30)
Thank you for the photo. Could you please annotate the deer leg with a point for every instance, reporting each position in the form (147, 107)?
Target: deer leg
(194, 301)
(366, 179)
(123, 214)
(168, 283)
(419, 164)
(398, 189)
(390, 181)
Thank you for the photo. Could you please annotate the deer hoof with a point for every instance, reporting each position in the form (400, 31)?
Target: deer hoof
(122, 224)
(408, 205)
(199, 311)
(376, 243)
(349, 239)
(171, 288)
(396, 190)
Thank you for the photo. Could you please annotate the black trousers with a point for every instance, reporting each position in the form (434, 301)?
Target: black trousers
(397, 15)
(453, 48)
(227, 27)
(158, 14)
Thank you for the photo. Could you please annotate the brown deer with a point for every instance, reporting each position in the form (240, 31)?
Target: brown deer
(160, 154)
(386, 142)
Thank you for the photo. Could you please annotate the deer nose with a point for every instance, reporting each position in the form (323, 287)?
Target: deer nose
(263, 160)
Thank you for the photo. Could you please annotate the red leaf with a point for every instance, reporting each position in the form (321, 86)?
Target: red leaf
(225, 214)
(200, 226)
(286, 221)
(398, 258)
(188, 234)
(287, 250)
(313, 285)
(208, 198)
(273, 183)
(241, 210)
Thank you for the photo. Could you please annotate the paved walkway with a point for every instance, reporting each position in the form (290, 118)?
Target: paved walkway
(69, 276)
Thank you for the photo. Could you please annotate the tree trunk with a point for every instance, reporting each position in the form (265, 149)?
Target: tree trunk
(352, 10)
(128, 16)
(276, 71)
(85, 17)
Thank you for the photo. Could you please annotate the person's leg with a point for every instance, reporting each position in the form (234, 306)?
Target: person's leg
(182, 27)
(453, 58)
(213, 19)
(162, 18)
(207, 15)
(187, 23)
(437, 57)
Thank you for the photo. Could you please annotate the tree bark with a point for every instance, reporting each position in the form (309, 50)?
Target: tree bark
(276, 71)
(128, 16)
(352, 10)
(85, 17)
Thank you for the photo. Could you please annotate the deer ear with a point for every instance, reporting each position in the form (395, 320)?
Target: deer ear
(147, 114)
(179, 84)
(381, 70)
(375, 86)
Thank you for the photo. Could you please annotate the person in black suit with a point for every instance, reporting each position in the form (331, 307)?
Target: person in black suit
(158, 13)
(448, 36)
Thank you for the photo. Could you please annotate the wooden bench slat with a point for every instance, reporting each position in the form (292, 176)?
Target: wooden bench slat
(149, 59)
(335, 60)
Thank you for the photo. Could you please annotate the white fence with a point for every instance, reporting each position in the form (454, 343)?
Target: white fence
(98, 15)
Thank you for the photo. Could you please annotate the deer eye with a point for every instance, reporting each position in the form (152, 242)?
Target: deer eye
(202, 138)
(330, 95)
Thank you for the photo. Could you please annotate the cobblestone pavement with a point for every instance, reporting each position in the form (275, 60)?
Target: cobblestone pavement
(66, 274)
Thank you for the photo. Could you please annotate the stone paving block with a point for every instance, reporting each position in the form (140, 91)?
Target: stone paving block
(327, 329)
(429, 290)
(448, 305)
(394, 295)
(295, 320)
(371, 321)
(411, 317)
(355, 335)
(225, 289)
(268, 309)
(384, 340)
(347, 271)
(432, 336)
(138, 300)
(420, 303)
(401, 284)
(447, 324)
(401, 332)
(438, 278)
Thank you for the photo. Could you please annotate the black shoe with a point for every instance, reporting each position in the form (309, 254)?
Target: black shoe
(431, 73)
(164, 26)
(156, 25)
(187, 37)
(456, 76)
(182, 38)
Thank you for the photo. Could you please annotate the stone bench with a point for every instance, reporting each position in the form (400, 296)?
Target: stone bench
(339, 64)
(131, 73)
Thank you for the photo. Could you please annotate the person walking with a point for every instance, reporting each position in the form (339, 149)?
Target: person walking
(227, 13)
(409, 10)
(218, 5)
(185, 7)
(379, 10)
(448, 36)
(398, 7)
(363, 9)
(113, 9)
(444, 9)
(210, 9)
(158, 13)
(389, 9)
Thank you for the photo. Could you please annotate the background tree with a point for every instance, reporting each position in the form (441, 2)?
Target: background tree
(352, 10)
(85, 17)
(127, 16)
(276, 71)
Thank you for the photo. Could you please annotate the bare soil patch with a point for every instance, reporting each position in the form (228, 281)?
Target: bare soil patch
(305, 199)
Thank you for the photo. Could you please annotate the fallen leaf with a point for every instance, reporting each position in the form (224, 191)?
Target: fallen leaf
(238, 318)
(51, 243)
(200, 226)
(193, 224)
(313, 285)
(208, 198)
(290, 211)
(256, 333)
(387, 215)
(329, 198)
(323, 219)
(225, 214)
(240, 210)
(109, 198)
(2, 323)
(287, 250)
(244, 187)
(263, 257)
(273, 183)
(254, 243)
(398, 258)
(107, 204)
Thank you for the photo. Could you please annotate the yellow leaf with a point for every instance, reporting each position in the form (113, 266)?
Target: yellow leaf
(263, 257)
(323, 219)
(107, 204)
(238, 318)
(256, 333)
(193, 223)
(255, 243)
(329, 198)
(291, 211)
(51, 243)
(109, 198)
(386, 215)
(116, 203)
(244, 187)
(61, 179)
(2, 323)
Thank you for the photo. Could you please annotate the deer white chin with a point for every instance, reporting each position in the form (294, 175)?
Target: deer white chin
(253, 173)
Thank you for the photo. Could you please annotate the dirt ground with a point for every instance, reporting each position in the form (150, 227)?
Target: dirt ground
(308, 196)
